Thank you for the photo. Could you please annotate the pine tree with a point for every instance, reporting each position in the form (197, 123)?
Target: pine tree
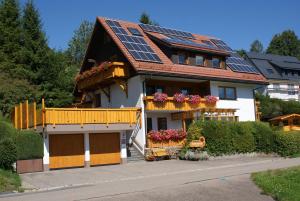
(79, 43)
(256, 46)
(35, 51)
(10, 37)
(145, 19)
(285, 43)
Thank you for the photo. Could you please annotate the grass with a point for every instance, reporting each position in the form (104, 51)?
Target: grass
(9, 181)
(282, 185)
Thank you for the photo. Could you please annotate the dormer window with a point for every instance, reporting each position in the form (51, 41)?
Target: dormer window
(182, 58)
(216, 62)
(199, 60)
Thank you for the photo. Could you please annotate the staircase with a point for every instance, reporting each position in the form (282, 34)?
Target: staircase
(133, 155)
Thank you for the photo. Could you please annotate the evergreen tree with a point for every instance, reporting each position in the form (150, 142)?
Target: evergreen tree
(241, 52)
(10, 31)
(256, 46)
(35, 49)
(145, 19)
(79, 43)
(285, 43)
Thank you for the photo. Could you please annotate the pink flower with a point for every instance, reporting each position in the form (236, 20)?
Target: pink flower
(179, 97)
(160, 97)
(194, 99)
(211, 99)
(166, 135)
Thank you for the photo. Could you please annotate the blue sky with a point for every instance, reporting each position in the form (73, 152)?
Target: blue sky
(236, 22)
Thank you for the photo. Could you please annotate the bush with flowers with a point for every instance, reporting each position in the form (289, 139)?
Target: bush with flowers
(194, 99)
(166, 135)
(179, 97)
(211, 99)
(160, 97)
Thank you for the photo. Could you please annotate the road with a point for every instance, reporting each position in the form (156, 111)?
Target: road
(165, 180)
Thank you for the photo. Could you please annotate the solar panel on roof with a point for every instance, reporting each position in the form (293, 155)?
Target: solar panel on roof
(238, 64)
(184, 41)
(134, 31)
(220, 44)
(158, 29)
(135, 44)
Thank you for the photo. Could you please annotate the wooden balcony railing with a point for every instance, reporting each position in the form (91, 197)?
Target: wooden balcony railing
(170, 104)
(26, 116)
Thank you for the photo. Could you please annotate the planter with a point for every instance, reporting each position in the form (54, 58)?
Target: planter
(33, 165)
(170, 143)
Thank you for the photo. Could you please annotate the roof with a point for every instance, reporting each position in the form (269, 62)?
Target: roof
(167, 67)
(275, 66)
(283, 117)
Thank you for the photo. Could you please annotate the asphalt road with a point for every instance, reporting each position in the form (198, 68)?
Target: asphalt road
(166, 180)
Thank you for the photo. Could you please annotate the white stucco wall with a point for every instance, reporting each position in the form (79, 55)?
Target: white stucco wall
(283, 92)
(134, 99)
(244, 103)
(170, 123)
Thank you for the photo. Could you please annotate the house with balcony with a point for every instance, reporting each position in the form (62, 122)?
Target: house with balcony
(136, 78)
(282, 73)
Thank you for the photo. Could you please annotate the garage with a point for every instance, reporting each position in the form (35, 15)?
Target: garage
(66, 150)
(104, 148)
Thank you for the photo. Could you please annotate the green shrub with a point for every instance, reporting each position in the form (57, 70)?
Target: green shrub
(8, 153)
(264, 136)
(242, 137)
(7, 130)
(194, 132)
(29, 145)
(287, 143)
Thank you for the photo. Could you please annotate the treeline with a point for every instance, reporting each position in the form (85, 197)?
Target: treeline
(30, 69)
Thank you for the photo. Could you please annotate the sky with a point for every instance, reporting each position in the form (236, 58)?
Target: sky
(236, 22)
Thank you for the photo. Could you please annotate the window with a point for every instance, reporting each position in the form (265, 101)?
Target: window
(199, 60)
(270, 71)
(150, 90)
(149, 124)
(227, 93)
(216, 62)
(185, 91)
(98, 100)
(291, 86)
(182, 58)
(276, 86)
(162, 123)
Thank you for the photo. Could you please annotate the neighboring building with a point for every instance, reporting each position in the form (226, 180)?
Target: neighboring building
(125, 64)
(282, 72)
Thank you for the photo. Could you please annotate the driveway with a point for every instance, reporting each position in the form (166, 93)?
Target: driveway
(164, 180)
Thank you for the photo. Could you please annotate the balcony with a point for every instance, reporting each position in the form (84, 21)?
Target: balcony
(27, 116)
(171, 105)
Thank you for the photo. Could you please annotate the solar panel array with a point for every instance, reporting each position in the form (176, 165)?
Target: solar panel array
(238, 64)
(134, 31)
(235, 62)
(220, 44)
(184, 41)
(173, 32)
(136, 45)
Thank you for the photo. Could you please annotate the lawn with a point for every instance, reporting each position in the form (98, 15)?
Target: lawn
(282, 185)
(9, 181)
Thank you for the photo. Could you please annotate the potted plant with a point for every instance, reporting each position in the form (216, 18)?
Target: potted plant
(194, 99)
(160, 97)
(179, 97)
(211, 99)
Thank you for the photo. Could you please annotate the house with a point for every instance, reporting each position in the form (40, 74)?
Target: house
(127, 85)
(282, 72)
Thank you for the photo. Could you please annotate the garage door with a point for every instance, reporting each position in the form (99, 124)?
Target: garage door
(104, 148)
(66, 150)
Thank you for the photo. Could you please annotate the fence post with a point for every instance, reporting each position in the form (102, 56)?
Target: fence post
(27, 115)
(43, 112)
(16, 117)
(21, 117)
(34, 115)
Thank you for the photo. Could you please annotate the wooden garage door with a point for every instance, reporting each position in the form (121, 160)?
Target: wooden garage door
(104, 148)
(66, 150)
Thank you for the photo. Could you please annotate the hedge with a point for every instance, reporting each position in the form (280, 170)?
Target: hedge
(287, 143)
(8, 153)
(7, 130)
(29, 145)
